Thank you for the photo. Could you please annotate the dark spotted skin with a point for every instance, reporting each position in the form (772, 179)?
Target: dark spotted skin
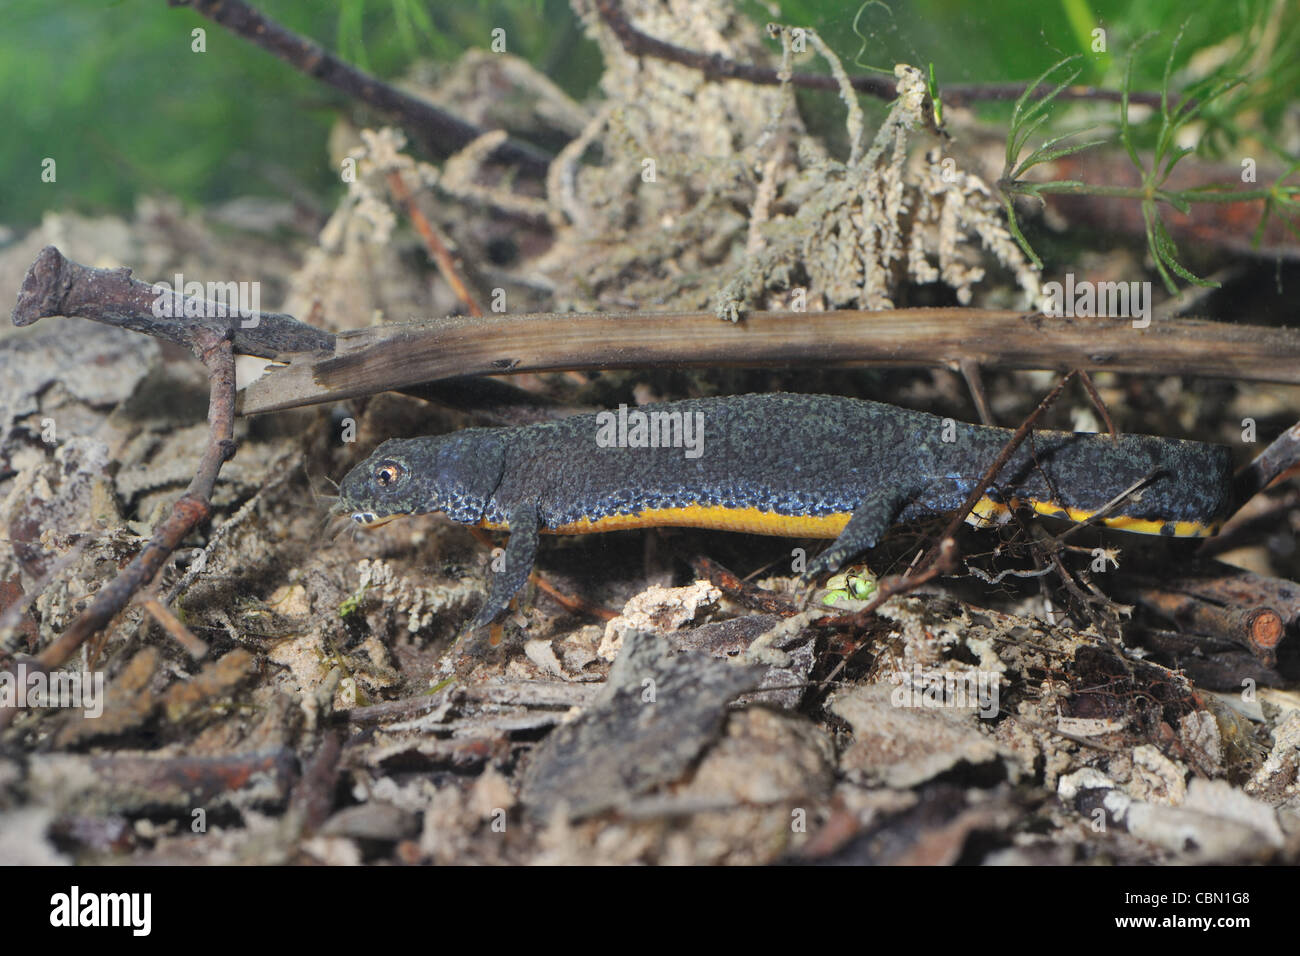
(787, 455)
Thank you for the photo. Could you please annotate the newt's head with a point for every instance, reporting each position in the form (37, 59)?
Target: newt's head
(455, 474)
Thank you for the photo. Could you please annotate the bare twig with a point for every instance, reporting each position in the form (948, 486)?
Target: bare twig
(313, 796)
(189, 510)
(142, 783)
(1259, 629)
(422, 358)
(945, 561)
(942, 557)
(389, 710)
(1014, 442)
(571, 602)
(181, 634)
(436, 129)
(975, 382)
(1106, 509)
(397, 356)
(1209, 597)
(1277, 460)
(1093, 394)
(433, 242)
(638, 43)
(1253, 523)
(55, 285)
(741, 591)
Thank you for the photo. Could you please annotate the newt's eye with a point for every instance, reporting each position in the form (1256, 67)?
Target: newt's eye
(388, 473)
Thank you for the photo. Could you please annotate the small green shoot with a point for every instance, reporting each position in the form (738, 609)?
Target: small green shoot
(844, 587)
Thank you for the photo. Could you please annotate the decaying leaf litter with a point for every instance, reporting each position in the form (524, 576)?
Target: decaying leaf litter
(328, 721)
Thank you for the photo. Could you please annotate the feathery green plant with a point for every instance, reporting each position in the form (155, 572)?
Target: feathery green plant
(1172, 118)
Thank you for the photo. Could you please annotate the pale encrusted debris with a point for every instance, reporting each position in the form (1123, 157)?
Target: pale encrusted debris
(901, 746)
(657, 609)
(1200, 737)
(766, 648)
(1215, 824)
(1156, 778)
(418, 602)
(459, 178)
(854, 224)
(1279, 777)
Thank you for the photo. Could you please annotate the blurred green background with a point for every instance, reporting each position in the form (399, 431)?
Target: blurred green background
(114, 94)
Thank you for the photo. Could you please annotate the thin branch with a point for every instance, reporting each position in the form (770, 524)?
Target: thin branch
(945, 561)
(738, 589)
(572, 603)
(975, 383)
(1106, 509)
(189, 510)
(942, 557)
(1278, 459)
(1093, 394)
(1252, 524)
(1014, 442)
(433, 242)
(1258, 629)
(170, 623)
(313, 796)
(1210, 598)
(437, 130)
(55, 285)
(406, 708)
(397, 356)
(715, 66)
(436, 359)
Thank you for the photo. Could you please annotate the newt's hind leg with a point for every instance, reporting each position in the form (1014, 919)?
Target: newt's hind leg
(521, 551)
(871, 519)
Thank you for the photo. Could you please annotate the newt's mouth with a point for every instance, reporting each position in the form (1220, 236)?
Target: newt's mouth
(368, 519)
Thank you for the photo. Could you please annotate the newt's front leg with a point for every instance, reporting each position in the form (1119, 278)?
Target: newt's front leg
(521, 551)
(871, 519)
